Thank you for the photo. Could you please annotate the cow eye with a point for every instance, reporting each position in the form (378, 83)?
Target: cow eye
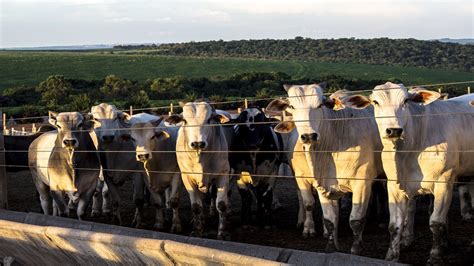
(375, 102)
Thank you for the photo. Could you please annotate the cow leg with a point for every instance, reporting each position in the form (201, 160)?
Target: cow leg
(246, 198)
(45, 199)
(96, 206)
(222, 203)
(464, 202)
(106, 200)
(305, 190)
(213, 196)
(409, 232)
(138, 200)
(267, 199)
(195, 196)
(61, 205)
(115, 197)
(398, 205)
(84, 200)
(360, 202)
(330, 210)
(174, 203)
(301, 211)
(443, 195)
(159, 210)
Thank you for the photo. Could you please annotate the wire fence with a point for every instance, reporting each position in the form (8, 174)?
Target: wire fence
(233, 123)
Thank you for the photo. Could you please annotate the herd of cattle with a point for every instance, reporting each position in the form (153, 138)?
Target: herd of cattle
(334, 145)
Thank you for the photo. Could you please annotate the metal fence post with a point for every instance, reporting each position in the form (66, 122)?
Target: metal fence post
(3, 174)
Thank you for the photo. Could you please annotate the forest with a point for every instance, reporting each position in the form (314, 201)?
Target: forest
(379, 51)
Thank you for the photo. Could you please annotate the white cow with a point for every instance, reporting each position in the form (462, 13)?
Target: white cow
(117, 154)
(465, 190)
(335, 154)
(424, 152)
(65, 162)
(155, 147)
(201, 132)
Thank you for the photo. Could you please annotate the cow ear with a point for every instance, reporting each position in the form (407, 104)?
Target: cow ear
(161, 135)
(182, 104)
(52, 117)
(278, 105)
(124, 116)
(425, 96)
(444, 96)
(174, 119)
(221, 118)
(471, 103)
(285, 127)
(286, 87)
(357, 101)
(323, 85)
(157, 122)
(334, 103)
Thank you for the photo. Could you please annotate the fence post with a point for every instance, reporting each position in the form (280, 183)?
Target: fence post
(439, 90)
(33, 128)
(468, 89)
(131, 110)
(3, 174)
(4, 121)
(171, 109)
(239, 110)
(246, 103)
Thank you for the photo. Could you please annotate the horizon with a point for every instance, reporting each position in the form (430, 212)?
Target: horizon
(42, 23)
(116, 44)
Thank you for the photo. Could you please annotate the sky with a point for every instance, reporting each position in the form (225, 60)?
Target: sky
(32, 23)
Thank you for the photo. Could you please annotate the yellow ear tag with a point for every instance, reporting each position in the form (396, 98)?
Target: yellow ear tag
(246, 178)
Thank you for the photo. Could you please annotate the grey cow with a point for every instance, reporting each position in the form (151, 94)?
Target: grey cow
(155, 147)
(65, 162)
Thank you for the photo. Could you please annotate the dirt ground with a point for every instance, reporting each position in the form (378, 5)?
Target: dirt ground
(22, 197)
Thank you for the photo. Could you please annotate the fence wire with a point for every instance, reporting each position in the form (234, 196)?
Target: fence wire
(252, 175)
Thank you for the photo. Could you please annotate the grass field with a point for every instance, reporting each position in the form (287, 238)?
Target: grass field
(29, 68)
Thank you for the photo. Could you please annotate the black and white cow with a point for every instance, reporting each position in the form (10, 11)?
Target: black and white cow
(255, 155)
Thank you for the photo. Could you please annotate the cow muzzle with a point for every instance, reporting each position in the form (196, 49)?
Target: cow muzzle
(143, 157)
(198, 145)
(393, 133)
(70, 143)
(309, 138)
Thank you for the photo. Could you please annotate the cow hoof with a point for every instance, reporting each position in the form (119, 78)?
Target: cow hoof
(467, 217)
(158, 226)
(223, 236)
(196, 234)
(299, 225)
(356, 249)
(435, 260)
(392, 256)
(95, 213)
(330, 247)
(176, 228)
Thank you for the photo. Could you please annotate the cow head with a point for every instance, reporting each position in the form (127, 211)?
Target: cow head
(197, 119)
(392, 106)
(249, 129)
(305, 103)
(70, 126)
(111, 120)
(144, 137)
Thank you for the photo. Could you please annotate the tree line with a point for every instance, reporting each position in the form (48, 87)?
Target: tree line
(380, 51)
(61, 94)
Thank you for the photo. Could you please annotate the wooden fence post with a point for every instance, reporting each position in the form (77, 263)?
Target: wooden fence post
(468, 89)
(3, 174)
(131, 110)
(246, 103)
(171, 109)
(439, 90)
